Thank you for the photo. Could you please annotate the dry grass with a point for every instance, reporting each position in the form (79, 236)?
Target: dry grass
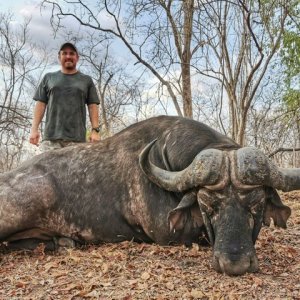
(143, 271)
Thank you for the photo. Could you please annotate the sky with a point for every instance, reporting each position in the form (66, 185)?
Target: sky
(27, 8)
(40, 28)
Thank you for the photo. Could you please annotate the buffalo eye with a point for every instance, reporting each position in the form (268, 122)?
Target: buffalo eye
(207, 209)
(257, 208)
(208, 203)
(251, 222)
(252, 200)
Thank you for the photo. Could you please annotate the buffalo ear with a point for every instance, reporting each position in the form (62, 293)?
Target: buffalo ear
(275, 209)
(179, 215)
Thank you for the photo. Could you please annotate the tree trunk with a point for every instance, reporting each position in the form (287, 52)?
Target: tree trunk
(186, 91)
(188, 8)
(104, 116)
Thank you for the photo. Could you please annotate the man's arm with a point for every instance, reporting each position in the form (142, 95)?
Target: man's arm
(39, 111)
(94, 118)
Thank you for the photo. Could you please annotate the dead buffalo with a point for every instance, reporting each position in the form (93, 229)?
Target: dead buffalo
(167, 180)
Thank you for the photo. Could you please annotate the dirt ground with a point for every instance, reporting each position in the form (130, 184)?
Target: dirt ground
(143, 271)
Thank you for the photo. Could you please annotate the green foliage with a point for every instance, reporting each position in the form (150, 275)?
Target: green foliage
(292, 99)
(290, 54)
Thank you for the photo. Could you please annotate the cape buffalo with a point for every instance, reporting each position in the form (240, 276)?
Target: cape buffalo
(167, 180)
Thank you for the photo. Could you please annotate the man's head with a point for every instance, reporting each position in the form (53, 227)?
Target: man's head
(68, 57)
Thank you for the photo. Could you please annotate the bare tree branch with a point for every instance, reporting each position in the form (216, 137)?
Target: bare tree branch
(283, 150)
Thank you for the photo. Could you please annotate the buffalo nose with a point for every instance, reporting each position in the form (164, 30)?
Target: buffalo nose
(235, 265)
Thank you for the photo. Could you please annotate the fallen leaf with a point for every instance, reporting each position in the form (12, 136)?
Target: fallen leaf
(197, 293)
(21, 284)
(145, 276)
(104, 268)
(170, 285)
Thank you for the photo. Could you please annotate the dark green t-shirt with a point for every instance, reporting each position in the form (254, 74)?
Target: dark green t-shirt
(66, 96)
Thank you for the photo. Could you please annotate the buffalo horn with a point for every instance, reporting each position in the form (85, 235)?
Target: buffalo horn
(205, 170)
(255, 168)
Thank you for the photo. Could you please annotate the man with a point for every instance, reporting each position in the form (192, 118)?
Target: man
(63, 96)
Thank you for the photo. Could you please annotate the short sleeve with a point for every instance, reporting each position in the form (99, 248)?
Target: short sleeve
(41, 92)
(92, 95)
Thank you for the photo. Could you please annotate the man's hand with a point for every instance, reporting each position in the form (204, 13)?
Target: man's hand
(34, 137)
(39, 111)
(94, 137)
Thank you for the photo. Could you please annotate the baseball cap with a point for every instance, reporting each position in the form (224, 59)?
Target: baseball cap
(68, 44)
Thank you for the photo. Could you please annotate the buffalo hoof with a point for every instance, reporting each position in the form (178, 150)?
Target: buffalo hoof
(233, 265)
(65, 242)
